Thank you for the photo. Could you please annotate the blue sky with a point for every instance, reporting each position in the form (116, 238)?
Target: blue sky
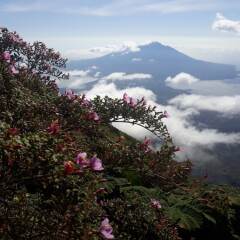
(74, 26)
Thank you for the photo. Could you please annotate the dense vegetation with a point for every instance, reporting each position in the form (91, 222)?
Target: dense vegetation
(66, 173)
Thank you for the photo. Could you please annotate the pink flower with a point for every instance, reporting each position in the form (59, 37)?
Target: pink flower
(126, 99)
(145, 145)
(15, 38)
(96, 117)
(129, 100)
(70, 94)
(13, 70)
(178, 149)
(13, 131)
(96, 164)
(133, 102)
(147, 141)
(156, 204)
(100, 190)
(69, 167)
(54, 127)
(93, 116)
(7, 56)
(82, 160)
(166, 114)
(85, 103)
(106, 229)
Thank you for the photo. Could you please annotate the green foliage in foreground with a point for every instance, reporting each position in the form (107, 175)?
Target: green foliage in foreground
(48, 193)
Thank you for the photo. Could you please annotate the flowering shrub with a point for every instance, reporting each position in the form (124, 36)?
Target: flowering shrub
(132, 111)
(66, 173)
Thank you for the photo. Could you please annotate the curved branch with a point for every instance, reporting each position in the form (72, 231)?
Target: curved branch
(140, 125)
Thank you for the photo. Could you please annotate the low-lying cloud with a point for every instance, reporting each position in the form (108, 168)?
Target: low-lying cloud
(80, 77)
(180, 124)
(125, 47)
(136, 60)
(103, 88)
(181, 79)
(124, 76)
(224, 24)
(77, 78)
(78, 73)
(226, 105)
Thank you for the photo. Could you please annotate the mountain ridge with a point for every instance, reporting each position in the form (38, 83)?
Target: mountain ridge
(158, 60)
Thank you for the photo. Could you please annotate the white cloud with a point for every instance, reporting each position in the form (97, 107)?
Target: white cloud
(175, 6)
(25, 7)
(226, 105)
(78, 73)
(105, 49)
(184, 132)
(102, 89)
(221, 23)
(182, 79)
(111, 8)
(97, 74)
(124, 76)
(94, 52)
(75, 54)
(77, 78)
(94, 67)
(126, 47)
(136, 60)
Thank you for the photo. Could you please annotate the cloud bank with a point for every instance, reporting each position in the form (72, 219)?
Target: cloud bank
(136, 60)
(223, 24)
(181, 79)
(125, 47)
(78, 73)
(103, 88)
(225, 105)
(127, 77)
(77, 78)
(180, 124)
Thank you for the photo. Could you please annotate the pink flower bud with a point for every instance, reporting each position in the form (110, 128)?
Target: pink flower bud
(147, 141)
(69, 167)
(54, 127)
(13, 131)
(156, 204)
(70, 94)
(82, 160)
(93, 116)
(106, 229)
(177, 149)
(145, 145)
(166, 114)
(133, 102)
(96, 164)
(13, 70)
(126, 99)
(6, 56)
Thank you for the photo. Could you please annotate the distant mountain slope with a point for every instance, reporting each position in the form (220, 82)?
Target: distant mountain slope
(158, 60)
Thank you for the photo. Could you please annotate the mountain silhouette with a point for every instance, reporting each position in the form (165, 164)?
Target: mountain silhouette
(158, 60)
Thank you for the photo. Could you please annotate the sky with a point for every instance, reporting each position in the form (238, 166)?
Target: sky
(206, 29)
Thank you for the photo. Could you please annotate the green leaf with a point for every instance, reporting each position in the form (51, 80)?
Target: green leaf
(209, 218)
